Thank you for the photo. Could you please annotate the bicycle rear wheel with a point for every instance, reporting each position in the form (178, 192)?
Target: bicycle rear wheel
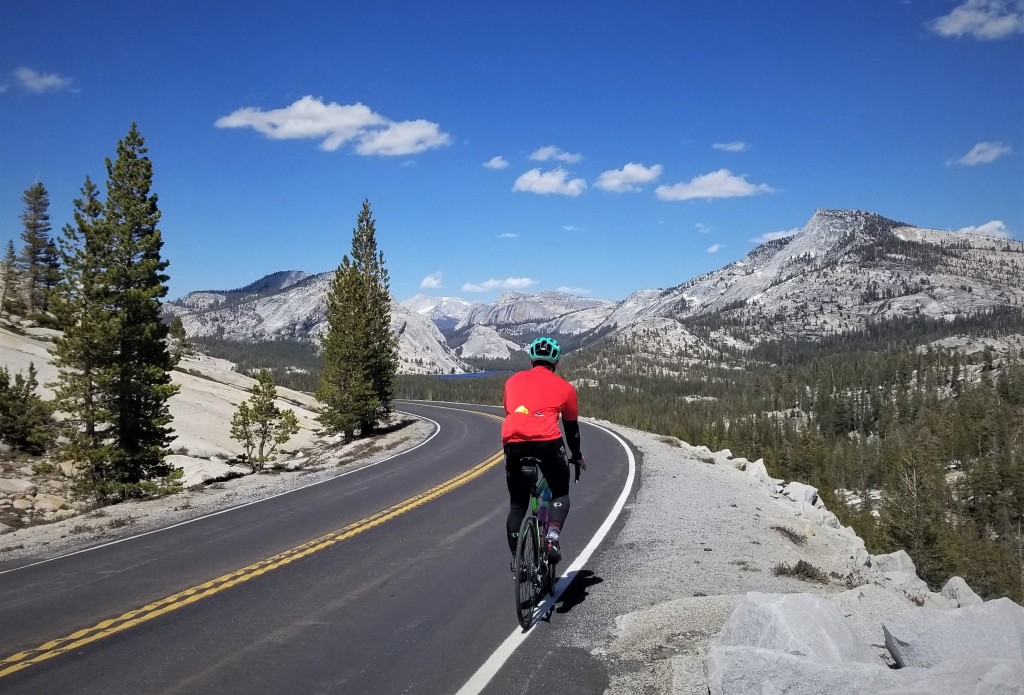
(551, 579)
(525, 571)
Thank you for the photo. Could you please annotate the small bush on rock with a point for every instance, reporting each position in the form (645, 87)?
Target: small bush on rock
(801, 570)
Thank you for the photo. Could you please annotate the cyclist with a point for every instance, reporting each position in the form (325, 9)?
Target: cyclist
(534, 399)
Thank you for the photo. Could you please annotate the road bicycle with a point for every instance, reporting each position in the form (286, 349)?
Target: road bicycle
(532, 570)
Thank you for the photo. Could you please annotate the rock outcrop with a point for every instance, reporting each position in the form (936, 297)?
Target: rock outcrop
(865, 624)
(802, 643)
(890, 634)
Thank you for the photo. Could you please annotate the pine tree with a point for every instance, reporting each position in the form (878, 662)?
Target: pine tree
(9, 289)
(360, 351)
(85, 352)
(382, 342)
(113, 359)
(49, 276)
(179, 342)
(142, 374)
(35, 255)
(26, 420)
(259, 423)
(914, 509)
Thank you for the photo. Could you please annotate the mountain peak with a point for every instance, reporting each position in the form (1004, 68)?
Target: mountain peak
(859, 220)
(511, 296)
(275, 282)
(438, 308)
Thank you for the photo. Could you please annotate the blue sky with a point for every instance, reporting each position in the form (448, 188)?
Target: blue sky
(598, 146)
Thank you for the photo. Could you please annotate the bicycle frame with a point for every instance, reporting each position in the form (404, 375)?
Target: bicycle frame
(537, 577)
(540, 497)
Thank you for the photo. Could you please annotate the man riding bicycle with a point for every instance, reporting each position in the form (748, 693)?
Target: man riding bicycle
(534, 400)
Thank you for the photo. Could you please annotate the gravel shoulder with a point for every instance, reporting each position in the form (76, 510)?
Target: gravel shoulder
(698, 534)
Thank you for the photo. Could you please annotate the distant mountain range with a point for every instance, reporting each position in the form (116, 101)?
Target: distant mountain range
(842, 270)
(295, 307)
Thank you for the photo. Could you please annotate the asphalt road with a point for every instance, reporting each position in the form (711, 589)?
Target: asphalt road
(392, 579)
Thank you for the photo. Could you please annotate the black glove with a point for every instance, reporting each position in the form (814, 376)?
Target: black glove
(579, 463)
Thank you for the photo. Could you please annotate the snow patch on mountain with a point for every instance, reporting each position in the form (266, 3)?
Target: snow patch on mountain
(439, 309)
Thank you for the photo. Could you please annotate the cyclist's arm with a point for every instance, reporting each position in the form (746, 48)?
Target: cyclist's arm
(570, 414)
(572, 436)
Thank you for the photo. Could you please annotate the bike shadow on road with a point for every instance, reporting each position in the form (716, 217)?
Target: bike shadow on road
(577, 591)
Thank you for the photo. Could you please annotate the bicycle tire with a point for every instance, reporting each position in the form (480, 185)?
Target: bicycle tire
(552, 578)
(524, 574)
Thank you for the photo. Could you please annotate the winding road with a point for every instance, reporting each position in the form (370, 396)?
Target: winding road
(391, 578)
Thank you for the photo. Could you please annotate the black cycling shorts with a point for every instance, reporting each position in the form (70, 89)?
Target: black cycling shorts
(553, 466)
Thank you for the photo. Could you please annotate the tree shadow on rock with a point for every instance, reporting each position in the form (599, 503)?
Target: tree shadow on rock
(394, 426)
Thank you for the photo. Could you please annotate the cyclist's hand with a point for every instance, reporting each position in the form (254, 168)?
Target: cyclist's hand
(580, 463)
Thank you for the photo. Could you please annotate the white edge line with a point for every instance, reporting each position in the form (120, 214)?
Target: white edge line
(437, 430)
(479, 680)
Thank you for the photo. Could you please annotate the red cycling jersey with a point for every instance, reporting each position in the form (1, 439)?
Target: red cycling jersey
(534, 398)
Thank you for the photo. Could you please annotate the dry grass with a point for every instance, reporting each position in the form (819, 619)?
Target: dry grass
(745, 565)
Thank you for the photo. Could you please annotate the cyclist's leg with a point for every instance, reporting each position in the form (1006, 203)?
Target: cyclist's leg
(556, 472)
(518, 494)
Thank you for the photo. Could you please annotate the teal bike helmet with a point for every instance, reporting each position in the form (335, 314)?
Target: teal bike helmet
(545, 350)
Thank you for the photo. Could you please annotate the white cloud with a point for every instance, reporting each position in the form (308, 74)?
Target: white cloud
(629, 178)
(984, 153)
(772, 236)
(734, 146)
(571, 228)
(433, 281)
(574, 290)
(496, 163)
(714, 248)
(718, 184)
(338, 124)
(996, 228)
(548, 182)
(408, 137)
(39, 82)
(508, 235)
(982, 19)
(544, 154)
(493, 284)
(702, 228)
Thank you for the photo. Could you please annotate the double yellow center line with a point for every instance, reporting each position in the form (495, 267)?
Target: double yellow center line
(112, 626)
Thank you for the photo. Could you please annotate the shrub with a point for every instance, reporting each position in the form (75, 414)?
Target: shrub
(797, 538)
(801, 570)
